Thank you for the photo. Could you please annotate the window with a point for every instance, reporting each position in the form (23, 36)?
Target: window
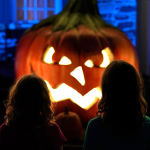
(32, 11)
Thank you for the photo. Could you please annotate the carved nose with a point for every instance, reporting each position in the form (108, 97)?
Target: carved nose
(79, 75)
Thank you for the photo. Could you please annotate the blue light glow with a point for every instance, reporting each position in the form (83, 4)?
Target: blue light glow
(122, 14)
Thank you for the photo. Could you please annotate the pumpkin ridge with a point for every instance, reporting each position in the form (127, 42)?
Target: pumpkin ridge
(26, 33)
(21, 50)
(100, 42)
(107, 42)
(35, 37)
(30, 47)
(103, 40)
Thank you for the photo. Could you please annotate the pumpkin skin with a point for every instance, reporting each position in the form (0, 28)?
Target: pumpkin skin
(70, 124)
(80, 34)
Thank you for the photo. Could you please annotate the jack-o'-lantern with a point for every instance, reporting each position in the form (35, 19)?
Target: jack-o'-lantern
(70, 52)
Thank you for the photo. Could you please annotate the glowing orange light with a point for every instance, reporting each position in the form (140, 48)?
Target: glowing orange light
(107, 57)
(47, 57)
(66, 92)
(65, 61)
(89, 63)
(78, 74)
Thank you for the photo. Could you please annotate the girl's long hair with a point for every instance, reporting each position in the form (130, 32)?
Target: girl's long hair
(29, 106)
(122, 104)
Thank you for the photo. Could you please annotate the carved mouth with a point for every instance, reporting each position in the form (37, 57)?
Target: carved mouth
(64, 92)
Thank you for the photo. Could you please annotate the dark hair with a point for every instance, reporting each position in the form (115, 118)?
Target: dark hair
(29, 105)
(122, 103)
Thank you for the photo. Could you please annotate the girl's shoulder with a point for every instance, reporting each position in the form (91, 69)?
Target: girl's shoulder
(147, 121)
(55, 135)
(95, 123)
(147, 118)
(96, 120)
(3, 125)
(53, 127)
(53, 130)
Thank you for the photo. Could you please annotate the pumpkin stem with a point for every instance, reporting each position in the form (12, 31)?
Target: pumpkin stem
(82, 6)
(66, 110)
(78, 12)
(75, 13)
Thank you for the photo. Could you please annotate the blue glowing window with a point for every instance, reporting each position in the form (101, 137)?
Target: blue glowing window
(32, 11)
(122, 14)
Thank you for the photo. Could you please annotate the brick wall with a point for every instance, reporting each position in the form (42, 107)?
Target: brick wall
(120, 13)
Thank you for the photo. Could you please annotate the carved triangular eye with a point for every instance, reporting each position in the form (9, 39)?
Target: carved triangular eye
(89, 63)
(107, 57)
(47, 56)
(64, 61)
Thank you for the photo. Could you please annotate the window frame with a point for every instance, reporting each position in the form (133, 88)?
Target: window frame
(58, 8)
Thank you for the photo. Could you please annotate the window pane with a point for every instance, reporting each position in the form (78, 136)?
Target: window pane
(30, 14)
(40, 3)
(20, 3)
(30, 3)
(50, 3)
(20, 15)
(40, 14)
(50, 13)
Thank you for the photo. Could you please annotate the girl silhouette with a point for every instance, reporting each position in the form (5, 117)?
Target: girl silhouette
(29, 118)
(121, 123)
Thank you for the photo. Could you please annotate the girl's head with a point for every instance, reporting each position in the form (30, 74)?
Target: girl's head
(29, 103)
(122, 90)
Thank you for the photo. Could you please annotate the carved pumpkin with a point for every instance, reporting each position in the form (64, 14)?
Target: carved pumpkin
(70, 52)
